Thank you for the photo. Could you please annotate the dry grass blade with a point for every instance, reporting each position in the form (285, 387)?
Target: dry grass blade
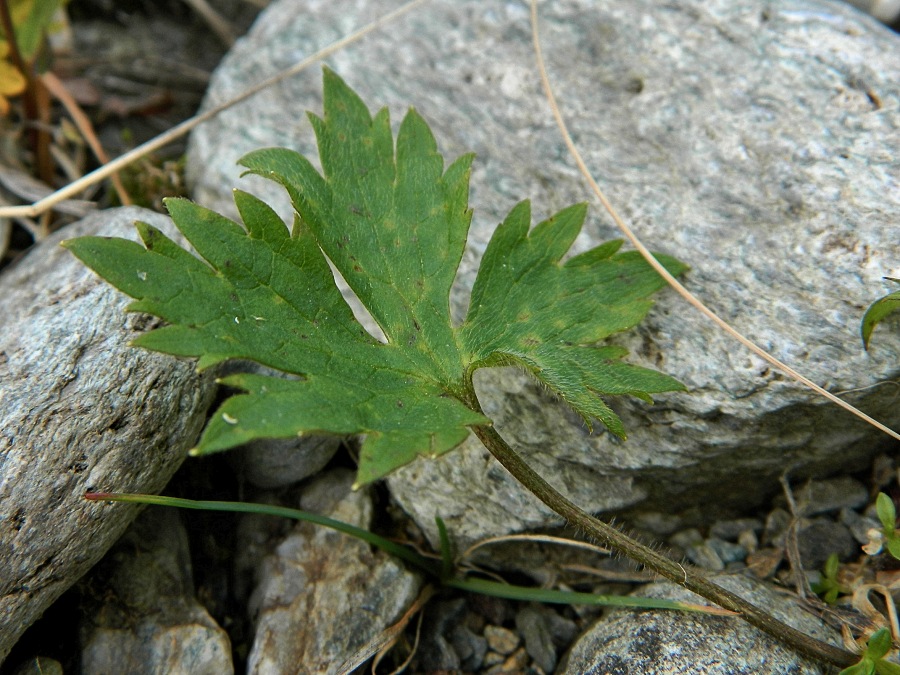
(671, 280)
(791, 545)
(99, 174)
(59, 91)
(24, 186)
(412, 652)
(886, 617)
(388, 637)
(533, 539)
(214, 20)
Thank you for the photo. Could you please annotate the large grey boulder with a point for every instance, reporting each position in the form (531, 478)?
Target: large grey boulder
(756, 140)
(80, 410)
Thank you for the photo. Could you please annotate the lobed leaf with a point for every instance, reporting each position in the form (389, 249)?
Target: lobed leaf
(530, 308)
(393, 221)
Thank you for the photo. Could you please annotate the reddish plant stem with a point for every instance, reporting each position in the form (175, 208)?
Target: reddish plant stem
(35, 98)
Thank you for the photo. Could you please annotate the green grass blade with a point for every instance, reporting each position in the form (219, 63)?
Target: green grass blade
(553, 596)
(386, 545)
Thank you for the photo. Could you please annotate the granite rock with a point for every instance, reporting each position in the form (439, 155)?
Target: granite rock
(323, 598)
(756, 140)
(144, 617)
(80, 410)
(657, 642)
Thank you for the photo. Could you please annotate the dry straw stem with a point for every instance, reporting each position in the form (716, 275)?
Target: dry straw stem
(84, 126)
(389, 637)
(693, 300)
(99, 174)
(532, 539)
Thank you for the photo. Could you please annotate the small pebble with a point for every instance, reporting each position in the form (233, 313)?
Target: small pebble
(776, 525)
(501, 640)
(705, 556)
(832, 494)
(764, 562)
(469, 647)
(658, 524)
(822, 537)
(534, 626)
(514, 665)
(727, 552)
(686, 538)
(730, 530)
(748, 540)
(437, 652)
(492, 659)
(858, 525)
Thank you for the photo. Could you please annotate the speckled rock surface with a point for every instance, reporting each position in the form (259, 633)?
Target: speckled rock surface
(757, 140)
(656, 642)
(322, 598)
(144, 617)
(80, 410)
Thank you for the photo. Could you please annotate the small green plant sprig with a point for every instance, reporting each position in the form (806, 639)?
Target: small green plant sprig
(879, 645)
(888, 537)
(394, 221)
(872, 660)
(23, 27)
(828, 587)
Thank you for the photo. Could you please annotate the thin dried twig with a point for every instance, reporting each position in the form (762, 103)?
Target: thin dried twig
(382, 642)
(693, 300)
(180, 130)
(214, 20)
(84, 126)
(534, 539)
(791, 545)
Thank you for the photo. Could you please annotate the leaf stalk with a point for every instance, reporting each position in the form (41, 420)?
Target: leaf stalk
(685, 576)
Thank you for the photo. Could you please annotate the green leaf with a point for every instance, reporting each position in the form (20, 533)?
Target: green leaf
(892, 544)
(530, 309)
(872, 660)
(32, 18)
(879, 644)
(878, 311)
(829, 587)
(865, 667)
(887, 513)
(400, 551)
(446, 548)
(831, 566)
(393, 221)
